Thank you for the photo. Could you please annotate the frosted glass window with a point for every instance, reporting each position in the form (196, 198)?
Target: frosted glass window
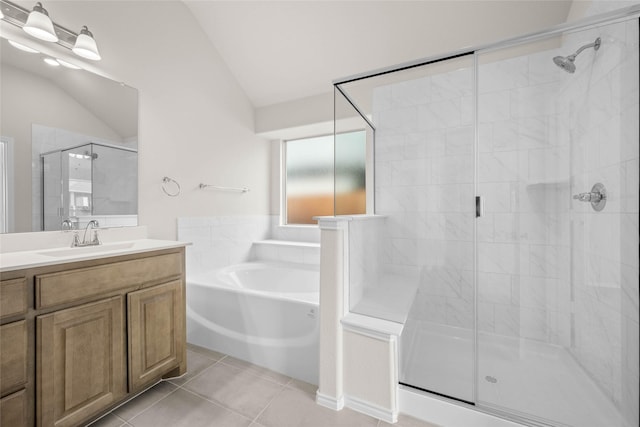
(350, 173)
(309, 166)
(309, 180)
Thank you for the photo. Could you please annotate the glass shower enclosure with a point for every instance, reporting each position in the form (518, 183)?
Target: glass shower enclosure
(506, 196)
(87, 181)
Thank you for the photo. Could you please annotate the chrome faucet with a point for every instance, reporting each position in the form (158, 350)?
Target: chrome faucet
(67, 225)
(93, 242)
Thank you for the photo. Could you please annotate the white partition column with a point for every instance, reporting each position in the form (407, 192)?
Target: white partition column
(358, 353)
(333, 307)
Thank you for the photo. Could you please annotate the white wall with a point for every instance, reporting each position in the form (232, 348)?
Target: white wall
(195, 122)
(299, 118)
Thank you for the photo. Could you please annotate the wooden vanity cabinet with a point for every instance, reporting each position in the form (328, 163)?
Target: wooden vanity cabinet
(14, 353)
(81, 362)
(13, 409)
(156, 332)
(95, 333)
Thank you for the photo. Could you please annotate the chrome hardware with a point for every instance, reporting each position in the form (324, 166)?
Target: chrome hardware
(95, 241)
(217, 187)
(597, 197)
(166, 180)
(589, 197)
(76, 240)
(67, 225)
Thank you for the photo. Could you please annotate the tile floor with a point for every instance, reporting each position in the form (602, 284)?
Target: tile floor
(220, 390)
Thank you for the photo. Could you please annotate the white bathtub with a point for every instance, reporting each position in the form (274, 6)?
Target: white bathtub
(263, 312)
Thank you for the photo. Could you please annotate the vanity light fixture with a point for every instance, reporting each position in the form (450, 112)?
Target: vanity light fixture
(39, 25)
(22, 47)
(85, 45)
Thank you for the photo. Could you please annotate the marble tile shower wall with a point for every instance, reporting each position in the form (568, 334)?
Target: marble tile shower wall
(523, 174)
(424, 185)
(601, 106)
(365, 238)
(536, 125)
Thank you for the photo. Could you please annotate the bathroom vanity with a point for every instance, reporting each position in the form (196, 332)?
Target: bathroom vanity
(83, 331)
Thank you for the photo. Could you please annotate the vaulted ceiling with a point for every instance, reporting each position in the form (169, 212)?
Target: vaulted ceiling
(285, 50)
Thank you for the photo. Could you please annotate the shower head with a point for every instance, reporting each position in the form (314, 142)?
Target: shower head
(567, 63)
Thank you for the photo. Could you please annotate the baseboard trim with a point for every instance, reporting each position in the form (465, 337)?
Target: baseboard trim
(330, 402)
(371, 409)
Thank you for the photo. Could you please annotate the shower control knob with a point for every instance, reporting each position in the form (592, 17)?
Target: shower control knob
(588, 197)
(597, 197)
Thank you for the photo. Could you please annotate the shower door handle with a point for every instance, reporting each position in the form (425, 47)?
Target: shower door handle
(479, 206)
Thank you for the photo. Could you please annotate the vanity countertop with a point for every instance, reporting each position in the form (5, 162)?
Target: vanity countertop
(37, 258)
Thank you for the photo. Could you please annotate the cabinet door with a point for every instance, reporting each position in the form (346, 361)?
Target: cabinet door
(13, 356)
(156, 332)
(13, 410)
(81, 362)
(13, 297)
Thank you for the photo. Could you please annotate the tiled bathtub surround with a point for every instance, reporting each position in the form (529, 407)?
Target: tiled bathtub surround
(219, 241)
(287, 251)
(549, 268)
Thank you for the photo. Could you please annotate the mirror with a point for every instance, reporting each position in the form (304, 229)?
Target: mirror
(58, 124)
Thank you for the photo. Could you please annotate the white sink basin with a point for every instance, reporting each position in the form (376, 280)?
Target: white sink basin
(87, 249)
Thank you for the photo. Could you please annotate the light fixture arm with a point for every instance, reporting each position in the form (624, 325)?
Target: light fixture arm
(86, 31)
(39, 8)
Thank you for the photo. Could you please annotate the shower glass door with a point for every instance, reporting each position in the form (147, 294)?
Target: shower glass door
(413, 263)
(424, 187)
(557, 246)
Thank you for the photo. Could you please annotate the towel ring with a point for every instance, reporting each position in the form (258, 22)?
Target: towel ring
(166, 180)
